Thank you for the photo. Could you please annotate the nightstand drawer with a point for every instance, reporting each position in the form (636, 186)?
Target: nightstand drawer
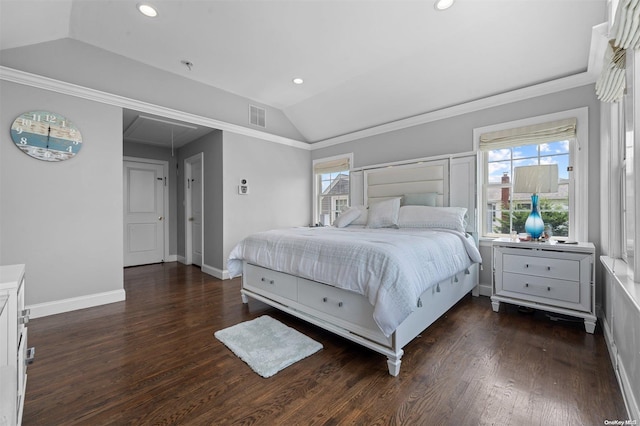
(549, 288)
(273, 282)
(561, 269)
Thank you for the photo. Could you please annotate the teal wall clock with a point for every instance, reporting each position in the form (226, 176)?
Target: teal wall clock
(46, 136)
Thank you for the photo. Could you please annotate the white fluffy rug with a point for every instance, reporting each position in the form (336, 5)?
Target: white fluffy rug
(267, 345)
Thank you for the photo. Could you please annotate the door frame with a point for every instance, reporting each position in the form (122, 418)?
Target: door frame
(165, 171)
(188, 247)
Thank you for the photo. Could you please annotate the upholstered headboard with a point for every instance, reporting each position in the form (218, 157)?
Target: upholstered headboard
(395, 181)
(453, 179)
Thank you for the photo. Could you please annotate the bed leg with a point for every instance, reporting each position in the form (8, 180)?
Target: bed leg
(394, 365)
(244, 297)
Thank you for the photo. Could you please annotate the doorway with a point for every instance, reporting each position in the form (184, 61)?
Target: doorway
(194, 197)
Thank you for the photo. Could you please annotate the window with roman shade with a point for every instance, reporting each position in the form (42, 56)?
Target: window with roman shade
(504, 147)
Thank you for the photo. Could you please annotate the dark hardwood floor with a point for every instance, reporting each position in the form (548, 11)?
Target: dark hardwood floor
(153, 360)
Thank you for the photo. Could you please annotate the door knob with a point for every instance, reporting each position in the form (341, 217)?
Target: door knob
(160, 218)
(190, 219)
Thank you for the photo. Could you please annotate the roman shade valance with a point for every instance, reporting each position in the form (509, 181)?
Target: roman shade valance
(625, 34)
(612, 81)
(332, 166)
(528, 135)
(626, 27)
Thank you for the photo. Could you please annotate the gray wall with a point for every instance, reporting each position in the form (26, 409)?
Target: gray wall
(63, 220)
(211, 147)
(455, 135)
(279, 179)
(80, 63)
(138, 150)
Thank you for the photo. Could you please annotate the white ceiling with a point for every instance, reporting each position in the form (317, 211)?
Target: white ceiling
(364, 63)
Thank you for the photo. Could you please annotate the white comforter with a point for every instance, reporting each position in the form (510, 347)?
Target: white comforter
(391, 267)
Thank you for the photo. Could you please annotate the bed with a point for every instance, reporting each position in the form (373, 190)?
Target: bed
(386, 271)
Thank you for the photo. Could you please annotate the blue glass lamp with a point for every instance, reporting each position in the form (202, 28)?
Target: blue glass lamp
(536, 180)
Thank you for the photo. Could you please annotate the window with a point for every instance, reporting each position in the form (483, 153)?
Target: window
(629, 117)
(331, 188)
(506, 210)
(628, 181)
(561, 139)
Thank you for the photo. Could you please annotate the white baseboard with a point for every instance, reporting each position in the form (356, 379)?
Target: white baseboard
(210, 270)
(485, 289)
(66, 305)
(172, 258)
(627, 392)
(222, 274)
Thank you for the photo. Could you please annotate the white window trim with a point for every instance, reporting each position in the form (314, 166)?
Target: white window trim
(579, 188)
(314, 186)
(611, 161)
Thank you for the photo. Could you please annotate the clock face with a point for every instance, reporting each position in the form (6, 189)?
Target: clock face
(46, 136)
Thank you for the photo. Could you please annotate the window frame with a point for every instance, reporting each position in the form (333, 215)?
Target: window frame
(578, 159)
(522, 205)
(316, 187)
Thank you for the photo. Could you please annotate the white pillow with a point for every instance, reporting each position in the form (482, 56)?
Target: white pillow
(384, 214)
(346, 217)
(362, 219)
(432, 217)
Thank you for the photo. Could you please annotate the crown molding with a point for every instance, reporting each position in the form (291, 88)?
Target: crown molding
(546, 88)
(46, 83)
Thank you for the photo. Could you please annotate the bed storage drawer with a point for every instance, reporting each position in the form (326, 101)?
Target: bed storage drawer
(339, 303)
(268, 282)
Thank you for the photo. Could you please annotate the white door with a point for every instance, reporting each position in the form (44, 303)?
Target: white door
(143, 213)
(194, 207)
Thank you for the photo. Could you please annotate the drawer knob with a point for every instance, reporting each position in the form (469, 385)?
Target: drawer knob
(526, 265)
(340, 304)
(526, 284)
(548, 288)
(548, 268)
(324, 299)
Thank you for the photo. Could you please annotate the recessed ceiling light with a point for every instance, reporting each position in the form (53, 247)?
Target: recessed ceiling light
(147, 10)
(298, 80)
(443, 4)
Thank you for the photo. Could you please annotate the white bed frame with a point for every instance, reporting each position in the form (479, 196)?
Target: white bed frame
(348, 314)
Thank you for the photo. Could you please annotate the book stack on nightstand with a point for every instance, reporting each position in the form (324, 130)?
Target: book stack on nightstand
(548, 276)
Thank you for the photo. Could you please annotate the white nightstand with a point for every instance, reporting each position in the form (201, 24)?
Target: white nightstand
(551, 277)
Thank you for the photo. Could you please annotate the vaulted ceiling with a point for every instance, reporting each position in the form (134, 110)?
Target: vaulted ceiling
(364, 63)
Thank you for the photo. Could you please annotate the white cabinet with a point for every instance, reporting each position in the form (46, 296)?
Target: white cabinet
(550, 277)
(14, 355)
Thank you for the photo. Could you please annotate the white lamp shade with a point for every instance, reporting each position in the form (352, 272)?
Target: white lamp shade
(536, 179)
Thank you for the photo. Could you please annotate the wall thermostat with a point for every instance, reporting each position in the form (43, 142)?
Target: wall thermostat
(243, 188)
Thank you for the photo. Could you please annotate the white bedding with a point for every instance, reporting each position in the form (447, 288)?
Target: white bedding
(391, 267)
